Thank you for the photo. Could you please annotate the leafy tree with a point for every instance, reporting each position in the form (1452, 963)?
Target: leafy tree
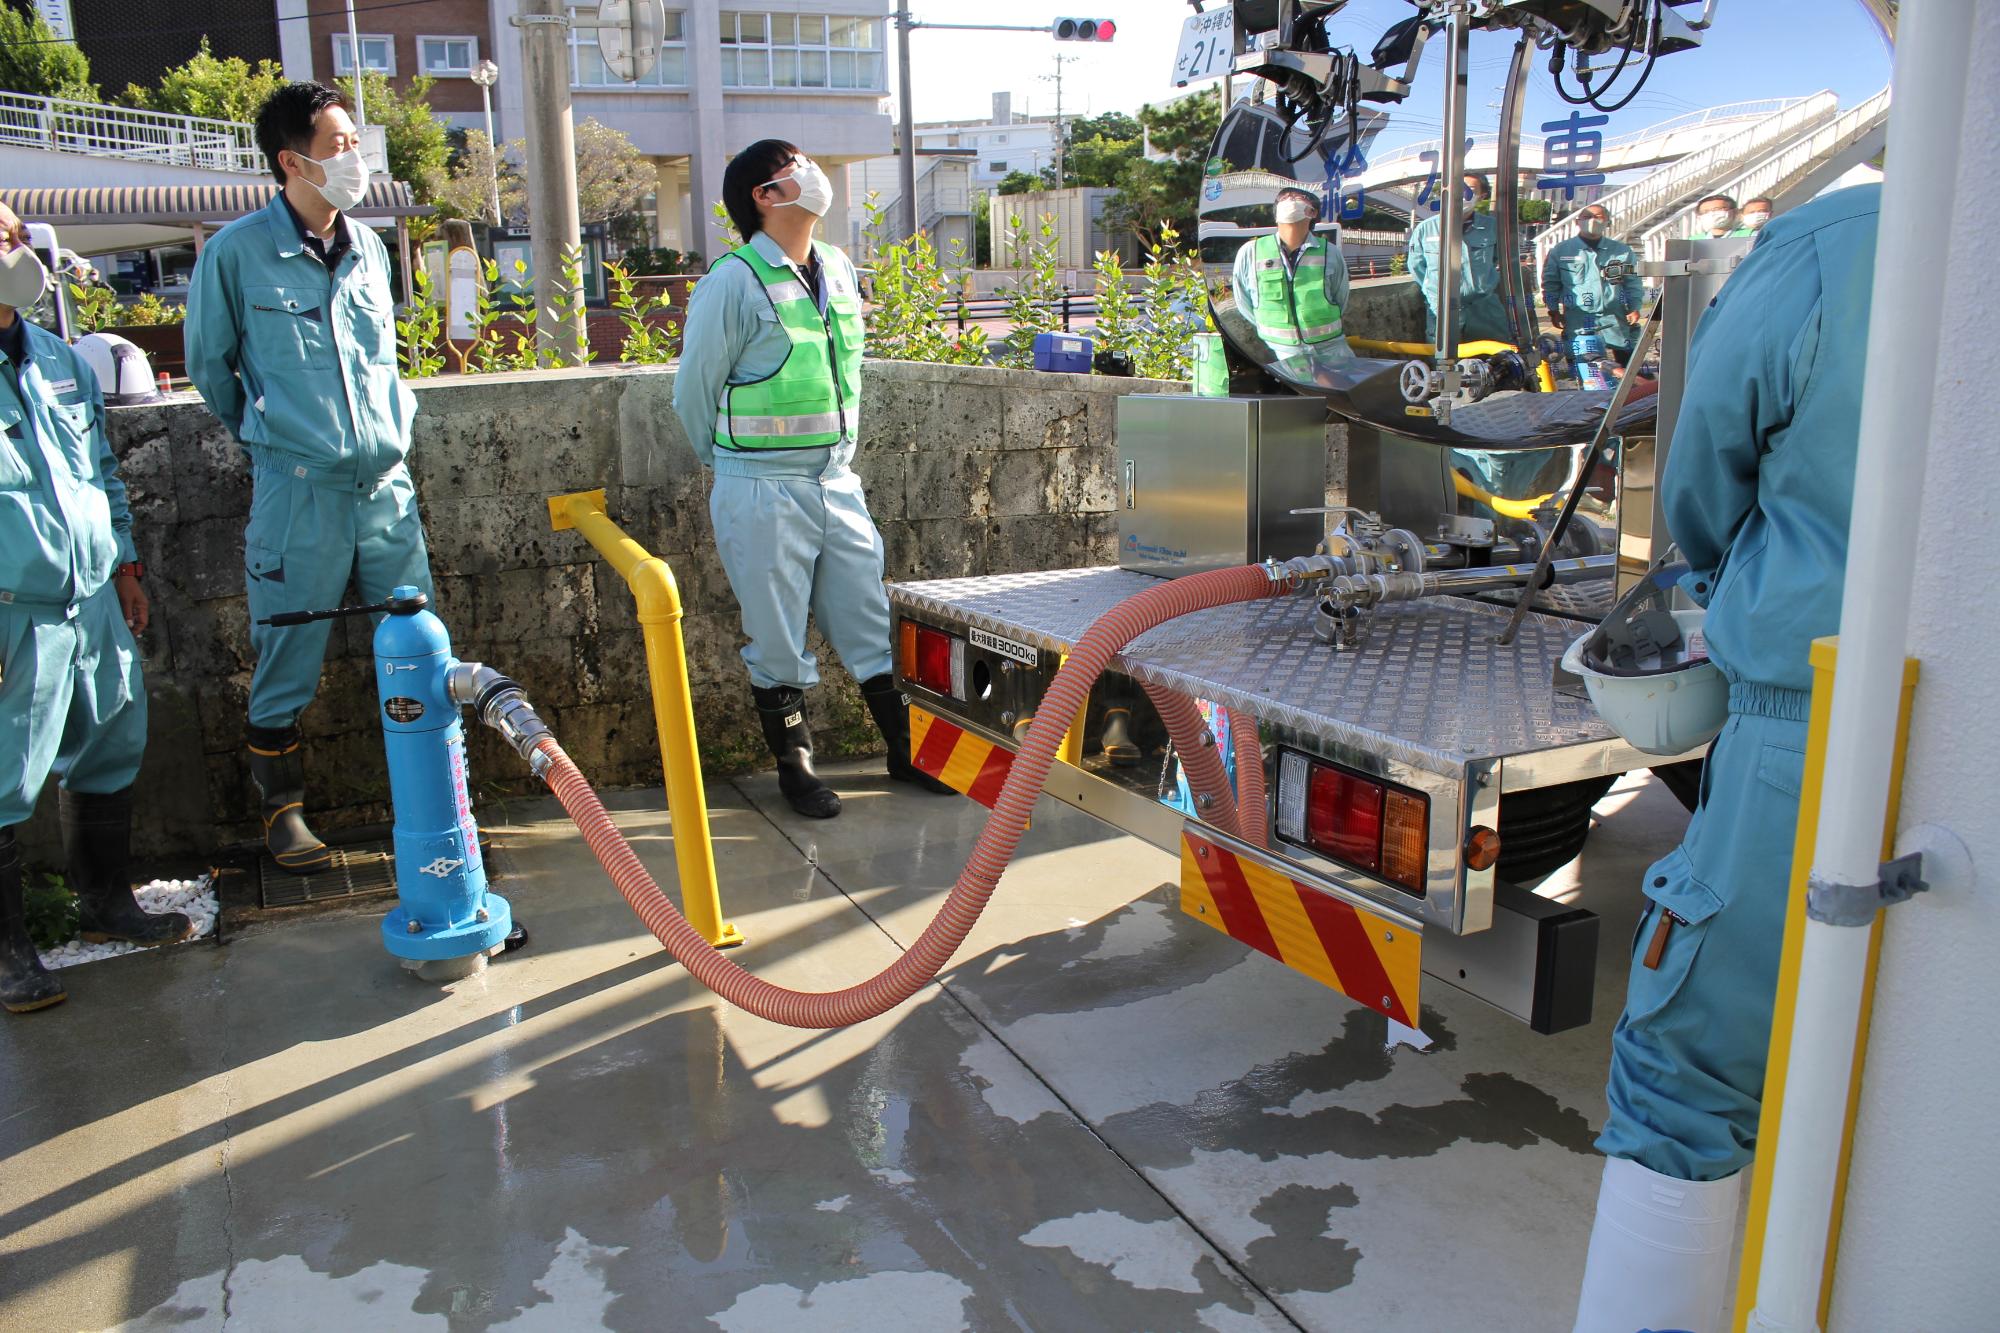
(219, 89)
(1098, 160)
(1153, 196)
(418, 144)
(1110, 125)
(982, 230)
(467, 191)
(612, 176)
(32, 61)
(1022, 182)
(1534, 210)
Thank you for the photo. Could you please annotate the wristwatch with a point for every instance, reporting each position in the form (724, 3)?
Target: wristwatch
(130, 569)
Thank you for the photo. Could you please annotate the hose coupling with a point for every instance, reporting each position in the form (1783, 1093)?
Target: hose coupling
(1295, 573)
(501, 704)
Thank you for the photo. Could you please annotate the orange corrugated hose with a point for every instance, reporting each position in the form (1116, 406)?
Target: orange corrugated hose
(955, 919)
(1253, 821)
(1200, 760)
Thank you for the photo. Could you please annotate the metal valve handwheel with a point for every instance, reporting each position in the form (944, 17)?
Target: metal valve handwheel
(1415, 382)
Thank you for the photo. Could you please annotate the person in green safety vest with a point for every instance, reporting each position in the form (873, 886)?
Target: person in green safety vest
(769, 392)
(1294, 283)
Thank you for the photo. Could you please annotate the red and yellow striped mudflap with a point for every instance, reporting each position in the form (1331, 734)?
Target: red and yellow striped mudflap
(1372, 960)
(956, 757)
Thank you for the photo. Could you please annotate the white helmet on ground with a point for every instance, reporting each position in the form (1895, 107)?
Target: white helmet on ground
(1647, 669)
(122, 369)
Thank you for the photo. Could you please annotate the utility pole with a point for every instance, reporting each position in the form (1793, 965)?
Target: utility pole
(906, 156)
(354, 63)
(555, 234)
(1061, 60)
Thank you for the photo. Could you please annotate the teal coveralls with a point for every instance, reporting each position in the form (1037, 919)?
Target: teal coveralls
(1573, 278)
(1481, 315)
(299, 361)
(71, 698)
(1758, 491)
(791, 525)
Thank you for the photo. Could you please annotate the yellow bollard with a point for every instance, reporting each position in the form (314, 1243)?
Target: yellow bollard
(659, 597)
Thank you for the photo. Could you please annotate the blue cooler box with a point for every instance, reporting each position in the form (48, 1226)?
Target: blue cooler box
(1065, 352)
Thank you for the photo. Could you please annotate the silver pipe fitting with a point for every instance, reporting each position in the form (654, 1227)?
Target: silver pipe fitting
(503, 705)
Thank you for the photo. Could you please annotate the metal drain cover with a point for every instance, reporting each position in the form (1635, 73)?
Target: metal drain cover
(366, 870)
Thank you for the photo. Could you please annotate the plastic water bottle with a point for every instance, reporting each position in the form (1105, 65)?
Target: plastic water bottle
(1586, 353)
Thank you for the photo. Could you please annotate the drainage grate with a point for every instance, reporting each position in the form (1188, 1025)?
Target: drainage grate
(367, 870)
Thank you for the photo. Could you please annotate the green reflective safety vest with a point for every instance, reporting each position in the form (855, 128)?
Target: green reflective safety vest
(1292, 309)
(813, 399)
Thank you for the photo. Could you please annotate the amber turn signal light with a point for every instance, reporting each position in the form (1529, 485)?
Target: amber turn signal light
(1482, 848)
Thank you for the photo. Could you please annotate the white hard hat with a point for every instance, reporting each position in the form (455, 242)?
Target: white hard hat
(1648, 672)
(121, 368)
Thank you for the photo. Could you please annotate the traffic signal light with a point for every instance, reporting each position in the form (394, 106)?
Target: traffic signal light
(1083, 30)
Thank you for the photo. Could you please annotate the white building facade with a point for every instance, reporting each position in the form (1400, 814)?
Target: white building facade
(814, 72)
(998, 146)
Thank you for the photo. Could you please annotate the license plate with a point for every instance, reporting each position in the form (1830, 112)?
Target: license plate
(1208, 44)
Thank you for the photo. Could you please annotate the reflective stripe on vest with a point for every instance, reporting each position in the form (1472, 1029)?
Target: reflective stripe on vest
(812, 400)
(1292, 309)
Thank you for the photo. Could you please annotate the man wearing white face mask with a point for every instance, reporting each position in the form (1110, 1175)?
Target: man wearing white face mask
(769, 391)
(1481, 316)
(1714, 217)
(291, 338)
(1294, 283)
(1591, 283)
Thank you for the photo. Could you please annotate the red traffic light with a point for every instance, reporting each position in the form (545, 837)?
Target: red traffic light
(1083, 30)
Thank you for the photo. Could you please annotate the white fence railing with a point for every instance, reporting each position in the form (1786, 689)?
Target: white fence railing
(98, 130)
(1772, 172)
(1411, 157)
(1636, 205)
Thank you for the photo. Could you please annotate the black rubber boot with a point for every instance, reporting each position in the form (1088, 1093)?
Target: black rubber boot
(1117, 739)
(892, 717)
(97, 843)
(783, 712)
(25, 985)
(278, 769)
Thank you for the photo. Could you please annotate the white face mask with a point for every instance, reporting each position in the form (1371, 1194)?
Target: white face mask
(346, 179)
(1715, 221)
(1296, 210)
(815, 190)
(23, 278)
(1591, 228)
(1756, 221)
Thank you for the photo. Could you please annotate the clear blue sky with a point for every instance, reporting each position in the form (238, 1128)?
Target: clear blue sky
(1757, 49)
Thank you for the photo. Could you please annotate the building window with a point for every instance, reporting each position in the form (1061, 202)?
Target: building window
(588, 70)
(447, 57)
(378, 53)
(1000, 167)
(801, 51)
(999, 138)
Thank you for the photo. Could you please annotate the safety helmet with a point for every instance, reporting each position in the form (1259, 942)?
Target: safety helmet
(1647, 670)
(121, 368)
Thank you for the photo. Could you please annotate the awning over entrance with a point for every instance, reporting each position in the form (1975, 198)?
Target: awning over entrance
(94, 220)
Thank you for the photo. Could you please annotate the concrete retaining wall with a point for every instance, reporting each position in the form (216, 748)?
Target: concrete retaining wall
(968, 470)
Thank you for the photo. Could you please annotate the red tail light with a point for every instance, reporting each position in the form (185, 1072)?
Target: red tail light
(1359, 821)
(934, 659)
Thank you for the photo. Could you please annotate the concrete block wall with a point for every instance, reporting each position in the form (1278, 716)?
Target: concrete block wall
(968, 470)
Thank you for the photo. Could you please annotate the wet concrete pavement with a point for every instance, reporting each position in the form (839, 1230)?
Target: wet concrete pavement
(1106, 1117)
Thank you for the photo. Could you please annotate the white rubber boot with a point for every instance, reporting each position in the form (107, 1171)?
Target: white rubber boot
(1659, 1253)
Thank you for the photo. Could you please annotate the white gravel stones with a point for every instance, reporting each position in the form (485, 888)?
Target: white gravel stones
(195, 897)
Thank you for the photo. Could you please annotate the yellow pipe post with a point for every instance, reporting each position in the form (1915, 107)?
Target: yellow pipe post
(1825, 652)
(659, 597)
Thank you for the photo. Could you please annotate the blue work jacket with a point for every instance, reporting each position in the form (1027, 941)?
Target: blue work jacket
(64, 523)
(1760, 480)
(297, 360)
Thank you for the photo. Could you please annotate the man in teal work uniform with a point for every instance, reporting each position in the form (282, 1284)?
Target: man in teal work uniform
(1481, 315)
(1293, 283)
(769, 391)
(1591, 283)
(1757, 493)
(71, 699)
(291, 338)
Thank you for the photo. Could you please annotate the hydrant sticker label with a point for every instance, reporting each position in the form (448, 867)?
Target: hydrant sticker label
(1014, 648)
(462, 802)
(402, 708)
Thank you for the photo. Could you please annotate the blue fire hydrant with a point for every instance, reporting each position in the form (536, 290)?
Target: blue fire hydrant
(444, 910)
